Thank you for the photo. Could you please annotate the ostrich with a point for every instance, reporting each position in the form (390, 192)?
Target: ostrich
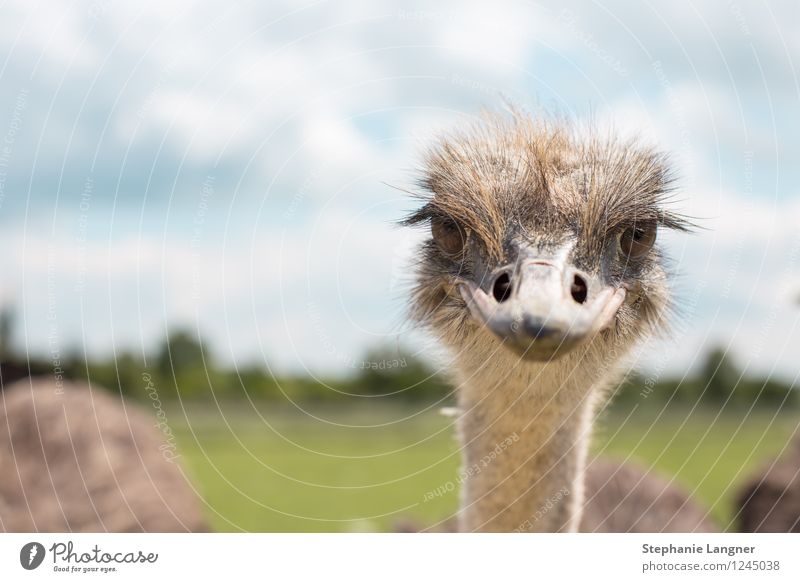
(76, 459)
(770, 501)
(622, 497)
(540, 275)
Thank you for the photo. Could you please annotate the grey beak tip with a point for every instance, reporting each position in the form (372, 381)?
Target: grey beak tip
(536, 328)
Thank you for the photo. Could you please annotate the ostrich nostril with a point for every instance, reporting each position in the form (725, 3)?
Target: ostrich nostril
(502, 288)
(578, 289)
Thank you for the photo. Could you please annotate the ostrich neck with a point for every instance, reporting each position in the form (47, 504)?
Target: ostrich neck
(524, 432)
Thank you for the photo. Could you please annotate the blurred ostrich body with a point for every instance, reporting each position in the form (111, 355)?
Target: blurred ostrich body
(540, 276)
(770, 500)
(78, 460)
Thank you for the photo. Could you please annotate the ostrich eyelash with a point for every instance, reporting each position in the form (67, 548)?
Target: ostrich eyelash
(424, 216)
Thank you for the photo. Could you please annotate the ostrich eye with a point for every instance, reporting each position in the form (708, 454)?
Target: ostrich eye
(448, 235)
(637, 240)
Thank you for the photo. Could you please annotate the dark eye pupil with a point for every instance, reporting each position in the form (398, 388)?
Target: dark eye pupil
(447, 235)
(635, 242)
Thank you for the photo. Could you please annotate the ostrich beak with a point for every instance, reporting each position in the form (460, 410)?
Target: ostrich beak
(543, 308)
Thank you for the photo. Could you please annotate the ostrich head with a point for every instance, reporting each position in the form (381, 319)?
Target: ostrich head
(543, 242)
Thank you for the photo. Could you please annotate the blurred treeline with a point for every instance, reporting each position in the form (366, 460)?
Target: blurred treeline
(184, 366)
(717, 381)
(181, 366)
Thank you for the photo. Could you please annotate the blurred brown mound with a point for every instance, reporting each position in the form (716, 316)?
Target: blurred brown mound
(81, 460)
(770, 500)
(621, 497)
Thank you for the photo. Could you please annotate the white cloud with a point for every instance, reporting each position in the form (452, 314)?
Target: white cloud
(496, 40)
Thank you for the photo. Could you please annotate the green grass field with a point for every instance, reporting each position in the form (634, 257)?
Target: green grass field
(366, 469)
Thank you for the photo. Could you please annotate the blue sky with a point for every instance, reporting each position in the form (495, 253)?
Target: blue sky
(223, 166)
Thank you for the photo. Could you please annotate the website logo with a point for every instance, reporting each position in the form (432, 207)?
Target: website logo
(31, 555)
